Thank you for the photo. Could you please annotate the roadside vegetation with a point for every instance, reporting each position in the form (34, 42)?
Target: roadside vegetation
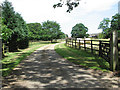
(82, 58)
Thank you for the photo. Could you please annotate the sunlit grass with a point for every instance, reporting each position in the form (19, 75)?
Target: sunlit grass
(82, 58)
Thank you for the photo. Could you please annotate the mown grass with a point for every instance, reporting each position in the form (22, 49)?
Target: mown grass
(12, 59)
(82, 58)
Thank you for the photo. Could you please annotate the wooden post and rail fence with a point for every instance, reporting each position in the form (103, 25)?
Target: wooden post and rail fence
(107, 49)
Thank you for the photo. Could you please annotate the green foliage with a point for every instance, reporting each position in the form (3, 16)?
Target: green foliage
(14, 26)
(9, 20)
(49, 30)
(8, 14)
(101, 36)
(105, 26)
(35, 31)
(52, 29)
(115, 22)
(5, 32)
(79, 31)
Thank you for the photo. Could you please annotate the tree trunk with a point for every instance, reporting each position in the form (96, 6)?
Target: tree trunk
(13, 47)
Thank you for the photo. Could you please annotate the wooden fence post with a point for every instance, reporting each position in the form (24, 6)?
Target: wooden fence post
(100, 48)
(114, 50)
(72, 43)
(79, 44)
(91, 47)
(66, 41)
(84, 45)
(75, 43)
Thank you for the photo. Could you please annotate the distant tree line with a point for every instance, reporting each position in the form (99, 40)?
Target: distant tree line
(16, 33)
(48, 30)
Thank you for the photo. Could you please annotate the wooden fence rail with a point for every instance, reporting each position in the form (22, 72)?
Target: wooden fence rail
(100, 47)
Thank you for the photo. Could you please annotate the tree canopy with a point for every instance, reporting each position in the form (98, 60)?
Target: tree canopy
(79, 31)
(52, 29)
(48, 30)
(35, 31)
(105, 26)
(15, 25)
(108, 25)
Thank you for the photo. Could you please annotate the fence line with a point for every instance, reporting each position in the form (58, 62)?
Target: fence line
(100, 47)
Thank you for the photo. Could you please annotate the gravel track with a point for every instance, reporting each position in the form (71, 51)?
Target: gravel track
(46, 69)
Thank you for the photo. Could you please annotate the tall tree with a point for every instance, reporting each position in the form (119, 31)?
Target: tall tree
(105, 26)
(15, 24)
(79, 31)
(8, 14)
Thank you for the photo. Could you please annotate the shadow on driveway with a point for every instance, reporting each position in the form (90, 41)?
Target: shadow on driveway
(46, 69)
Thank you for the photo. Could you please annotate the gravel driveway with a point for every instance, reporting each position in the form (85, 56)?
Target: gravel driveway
(46, 69)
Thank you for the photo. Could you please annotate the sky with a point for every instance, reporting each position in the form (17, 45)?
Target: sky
(89, 12)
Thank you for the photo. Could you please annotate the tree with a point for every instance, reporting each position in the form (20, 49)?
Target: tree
(79, 31)
(35, 31)
(51, 29)
(8, 14)
(15, 24)
(105, 26)
(115, 23)
(70, 4)
(61, 35)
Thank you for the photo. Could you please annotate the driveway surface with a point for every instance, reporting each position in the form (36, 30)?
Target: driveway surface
(46, 69)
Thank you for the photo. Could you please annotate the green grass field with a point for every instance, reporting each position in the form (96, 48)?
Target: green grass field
(12, 59)
(82, 58)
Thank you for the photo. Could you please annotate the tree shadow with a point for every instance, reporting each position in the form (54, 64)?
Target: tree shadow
(46, 69)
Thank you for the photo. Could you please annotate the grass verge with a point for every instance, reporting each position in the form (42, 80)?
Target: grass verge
(82, 58)
(12, 59)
